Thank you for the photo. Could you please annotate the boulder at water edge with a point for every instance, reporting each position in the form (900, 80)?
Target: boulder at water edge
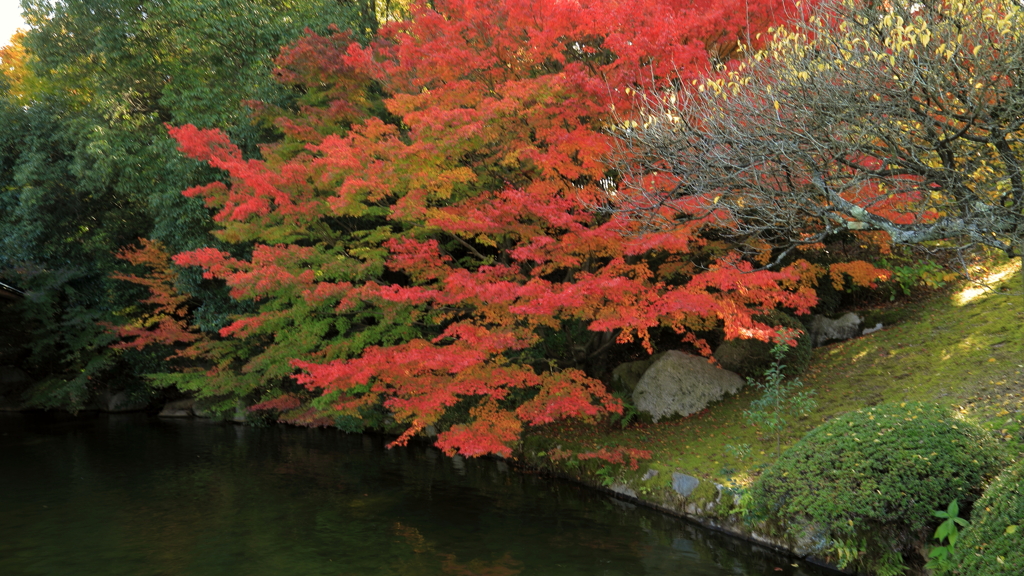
(178, 409)
(680, 384)
(107, 401)
(240, 415)
(824, 329)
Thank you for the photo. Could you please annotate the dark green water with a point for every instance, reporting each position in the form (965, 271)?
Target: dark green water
(135, 495)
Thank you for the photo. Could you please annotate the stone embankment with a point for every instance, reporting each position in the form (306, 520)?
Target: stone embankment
(695, 499)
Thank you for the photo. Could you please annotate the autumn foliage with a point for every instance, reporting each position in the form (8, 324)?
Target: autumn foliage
(164, 320)
(426, 231)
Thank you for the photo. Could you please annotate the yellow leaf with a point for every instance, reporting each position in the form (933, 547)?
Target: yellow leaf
(1012, 528)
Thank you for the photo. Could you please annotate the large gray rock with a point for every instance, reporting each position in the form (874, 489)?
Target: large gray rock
(872, 330)
(627, 375)
(684, 484)
(623, 489)
(178, 409)
(203, 408)
(107, 401)
(824, 329)
(221, 408)
(682, 384)
(240, 414)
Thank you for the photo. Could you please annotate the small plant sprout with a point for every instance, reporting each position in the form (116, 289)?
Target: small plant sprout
(739, 451)
(778, 397)
(940, 558)
(629, 411)
(607, 475)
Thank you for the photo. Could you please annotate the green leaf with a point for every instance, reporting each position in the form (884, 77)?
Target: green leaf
(953, 510)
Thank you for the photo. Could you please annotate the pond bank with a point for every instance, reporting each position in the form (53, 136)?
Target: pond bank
(713, 508)
(963, 353)
(963, 349)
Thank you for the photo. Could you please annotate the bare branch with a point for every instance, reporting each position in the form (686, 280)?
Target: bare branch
(901, 118)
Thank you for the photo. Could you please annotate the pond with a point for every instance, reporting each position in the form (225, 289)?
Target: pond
(136, 495)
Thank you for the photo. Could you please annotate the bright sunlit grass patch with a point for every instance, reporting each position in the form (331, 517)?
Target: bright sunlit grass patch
(986, 284)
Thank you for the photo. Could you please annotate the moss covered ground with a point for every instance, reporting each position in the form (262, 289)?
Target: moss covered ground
(962, 347)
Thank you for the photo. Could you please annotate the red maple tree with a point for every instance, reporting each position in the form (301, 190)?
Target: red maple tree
(164, 318)
(416, 256)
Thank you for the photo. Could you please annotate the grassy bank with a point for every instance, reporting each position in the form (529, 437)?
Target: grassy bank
(963, 347)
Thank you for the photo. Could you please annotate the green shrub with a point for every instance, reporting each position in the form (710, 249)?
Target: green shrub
(830, 298)
(994, 541)
(860, 489)
(779, 399)
(753, 357)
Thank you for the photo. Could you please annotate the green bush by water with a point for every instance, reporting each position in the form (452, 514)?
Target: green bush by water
(994, 542)
(860, 489)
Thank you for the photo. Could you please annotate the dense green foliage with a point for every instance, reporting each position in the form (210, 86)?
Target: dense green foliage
(994, 542)
(861, 488)
(87, 168)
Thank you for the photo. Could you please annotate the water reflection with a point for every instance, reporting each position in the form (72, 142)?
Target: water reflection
(133, 495)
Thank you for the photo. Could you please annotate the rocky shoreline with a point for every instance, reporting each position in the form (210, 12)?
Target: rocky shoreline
(702, 502)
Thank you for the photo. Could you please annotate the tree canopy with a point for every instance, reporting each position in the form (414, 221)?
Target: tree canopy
(898, 117)
(413, 226)
(438, 262)
(87, 167)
